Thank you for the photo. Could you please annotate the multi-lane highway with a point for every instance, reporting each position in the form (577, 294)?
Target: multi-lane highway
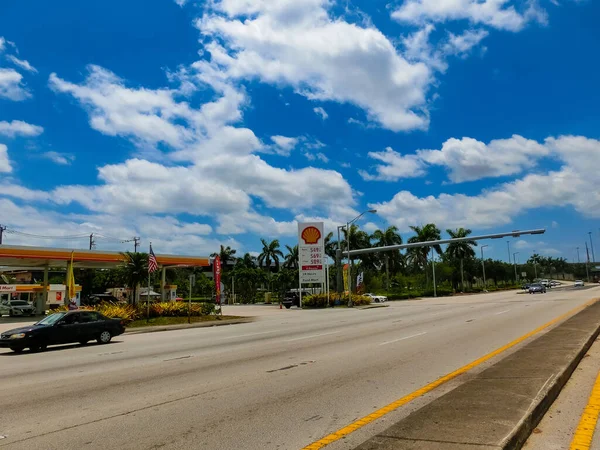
(282, 382)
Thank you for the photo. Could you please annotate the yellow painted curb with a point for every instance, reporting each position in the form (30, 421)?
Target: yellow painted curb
(582, 440)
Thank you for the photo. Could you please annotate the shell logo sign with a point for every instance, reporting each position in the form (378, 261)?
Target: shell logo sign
(311, 235)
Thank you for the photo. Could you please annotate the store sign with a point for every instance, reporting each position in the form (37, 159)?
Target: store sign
(8, 288)
(311, 252)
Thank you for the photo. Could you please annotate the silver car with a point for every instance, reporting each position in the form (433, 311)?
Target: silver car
(16, 308)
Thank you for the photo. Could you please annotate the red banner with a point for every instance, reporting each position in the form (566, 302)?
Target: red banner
(217, 274)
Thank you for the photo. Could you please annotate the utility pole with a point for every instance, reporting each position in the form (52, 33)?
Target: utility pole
(338, 263)
(483, 265)
(136, 244)
(92, 242)
(578, 258)
(535, 263)
(433, 268)
(2, 230)
(508, 246)
(515, 263)
(592, 245)
(587, 264)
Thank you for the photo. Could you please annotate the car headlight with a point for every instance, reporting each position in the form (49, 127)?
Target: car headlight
(17, 336)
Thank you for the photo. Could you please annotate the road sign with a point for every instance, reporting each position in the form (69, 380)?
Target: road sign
(311, 252)
(524, 274)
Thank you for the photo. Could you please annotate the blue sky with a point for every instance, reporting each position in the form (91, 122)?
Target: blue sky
(194, 124)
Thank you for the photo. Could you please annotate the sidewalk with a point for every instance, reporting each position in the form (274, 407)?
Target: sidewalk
(556, 431)
(500, 407)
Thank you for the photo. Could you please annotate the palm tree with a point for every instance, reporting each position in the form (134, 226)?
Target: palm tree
(135, 270)
(246, 262)
(331, 246)
(291, 259)
(226, 255)
(385, 238)
(461, 250)
(419, 255)
(270, 253)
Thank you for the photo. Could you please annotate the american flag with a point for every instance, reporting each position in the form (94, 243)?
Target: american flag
(152, 263)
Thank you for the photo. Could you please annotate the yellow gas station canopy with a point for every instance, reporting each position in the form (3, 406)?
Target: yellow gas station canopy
(40, 257)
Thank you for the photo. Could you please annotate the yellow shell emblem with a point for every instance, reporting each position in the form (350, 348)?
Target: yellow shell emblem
(311, 235)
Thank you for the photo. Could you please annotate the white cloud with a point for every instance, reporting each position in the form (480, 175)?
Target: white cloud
(555, 224)
(181, 2)
(5, 166)
(296, 43)
(19, 128)
(23, 64)
(2, 44)
(314, 156)
(395, 166)
(561, 188)
(284, 145)
(11, 86)
(62, 159)
(495, 13)
(468, 159)
(319, 111)
(461, 44)
(149, 116)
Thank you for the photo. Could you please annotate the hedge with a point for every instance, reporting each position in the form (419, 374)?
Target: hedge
(320, 300)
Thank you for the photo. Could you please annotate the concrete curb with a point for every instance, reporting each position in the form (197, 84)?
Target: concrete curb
(372, 306)
(499, 407)
(186, 326)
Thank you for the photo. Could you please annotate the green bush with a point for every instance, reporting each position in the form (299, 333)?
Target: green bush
(320, 300)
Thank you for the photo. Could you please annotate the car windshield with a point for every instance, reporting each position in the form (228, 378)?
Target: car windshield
(19, 303)
(51, 319)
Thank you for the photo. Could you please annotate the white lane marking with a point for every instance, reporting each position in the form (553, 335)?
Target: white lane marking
(403, 338)
(251, 334)
(313, 336)
(501, 312)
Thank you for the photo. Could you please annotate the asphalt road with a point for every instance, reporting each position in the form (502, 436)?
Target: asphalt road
(279, 383)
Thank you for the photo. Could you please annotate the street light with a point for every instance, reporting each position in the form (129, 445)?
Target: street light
(578, 258)
(371, 211)
(515, 263)
(338, 261)
(483, 265)
(508, 246)
(592, 246)
(535, 263)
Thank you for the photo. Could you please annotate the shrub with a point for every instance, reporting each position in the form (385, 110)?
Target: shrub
(320, 300)
(118, 310)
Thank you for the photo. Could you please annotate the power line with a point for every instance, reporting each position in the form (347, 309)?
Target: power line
(40, 236)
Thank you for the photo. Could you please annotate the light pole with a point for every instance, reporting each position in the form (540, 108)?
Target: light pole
(578, 258)
(338, 262)
(515, 263)
(592, 247)
(535, 263)
(433, 268)
(483, 265)
(372, 211)
(508, 246)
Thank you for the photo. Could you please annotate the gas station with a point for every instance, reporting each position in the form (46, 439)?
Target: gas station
(43, 259)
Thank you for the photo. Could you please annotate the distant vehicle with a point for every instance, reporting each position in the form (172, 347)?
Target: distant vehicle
(63, 328)
(525, 286)
(16, 308)
(544, 283)
(94, 299)
(291, 299)
(554, 283)
(578, 283)
(377, 298)
(538, 287)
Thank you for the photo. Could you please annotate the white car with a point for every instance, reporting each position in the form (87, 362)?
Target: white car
(578, 283)
(16, 308)
(377, 298)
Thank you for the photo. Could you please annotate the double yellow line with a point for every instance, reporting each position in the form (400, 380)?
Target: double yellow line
(358, 424)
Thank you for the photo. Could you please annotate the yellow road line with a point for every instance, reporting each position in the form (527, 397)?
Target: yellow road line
(582, 440)
(337, 435)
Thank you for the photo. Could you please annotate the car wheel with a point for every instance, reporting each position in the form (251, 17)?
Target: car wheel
(17, 349)
(104, 337)
(288, 306)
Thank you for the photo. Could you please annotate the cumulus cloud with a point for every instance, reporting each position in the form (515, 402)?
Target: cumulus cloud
(319, 111)
(11, 85)
(23, 64)
(560, 188)
(19, 128)
(494, 13)
(395, 166)
(62, 159)
(296, 43)
(284, 145)
(462, 44)
(5, 166)
(468, 159)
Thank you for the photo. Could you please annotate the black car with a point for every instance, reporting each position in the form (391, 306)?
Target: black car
(63, 328)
